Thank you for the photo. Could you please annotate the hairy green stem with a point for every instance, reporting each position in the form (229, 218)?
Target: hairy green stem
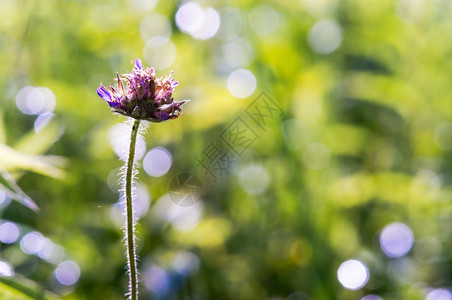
(130, 226)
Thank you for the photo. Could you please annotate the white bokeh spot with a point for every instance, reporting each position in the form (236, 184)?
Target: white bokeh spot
(241, 83)
(159, 52)
(157, 162)
(200, 23)
(325, 36)
(353, 274)
(439, 294)
(35, 100)
(67, 273)
(5, 269)
(9, 232)
(396, 240)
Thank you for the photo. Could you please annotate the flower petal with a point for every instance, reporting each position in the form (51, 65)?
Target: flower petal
(103, 93)
(138, 64)
(161, 115)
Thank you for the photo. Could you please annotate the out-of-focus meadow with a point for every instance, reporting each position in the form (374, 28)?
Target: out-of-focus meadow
(317, 144)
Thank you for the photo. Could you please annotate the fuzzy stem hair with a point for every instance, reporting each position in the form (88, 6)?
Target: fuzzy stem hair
(130, 221)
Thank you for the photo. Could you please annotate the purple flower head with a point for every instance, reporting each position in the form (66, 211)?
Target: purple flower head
(145, 97)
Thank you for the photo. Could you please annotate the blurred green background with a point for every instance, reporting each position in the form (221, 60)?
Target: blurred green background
(344, 195)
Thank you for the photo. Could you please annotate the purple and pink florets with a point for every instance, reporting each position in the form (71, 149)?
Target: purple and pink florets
(146, 97)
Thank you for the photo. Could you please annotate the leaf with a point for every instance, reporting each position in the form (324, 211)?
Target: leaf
(12, 160)
(40, 141)
(25, 158)
(13, 191)
(20, 288)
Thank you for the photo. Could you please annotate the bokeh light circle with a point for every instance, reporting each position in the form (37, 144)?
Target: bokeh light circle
(185, 219)
(35, 100)
(241, 83)
(143, 6)
(200, 23)
(156, 280)
(9, 232)
(5, 269)
(159, 52)
(157, 162)
(210, 25)
(264, 20)
(396, 240)
(141, 204)
(32, 242)
(439, 294)
(119, 138)
(185, 263)
(49, 251)
(67, 273)
(231, 24)
(254, 179)
(325, 36)
(189, 17)
(155, 25)
(235, 54)
(353, 274)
